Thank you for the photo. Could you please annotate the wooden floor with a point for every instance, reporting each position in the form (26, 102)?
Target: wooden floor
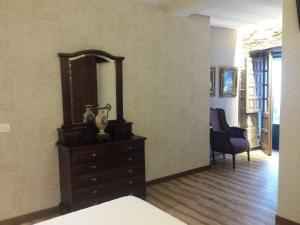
(221, 196)
(246, 196)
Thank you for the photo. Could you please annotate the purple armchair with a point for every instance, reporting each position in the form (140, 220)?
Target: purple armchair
(225, 139)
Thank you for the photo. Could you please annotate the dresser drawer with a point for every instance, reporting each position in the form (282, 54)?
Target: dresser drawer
(95, 172)
(106, 188)
(108, 175)
(117, 161)
(136, 191)
(91, 155)
(128, 147)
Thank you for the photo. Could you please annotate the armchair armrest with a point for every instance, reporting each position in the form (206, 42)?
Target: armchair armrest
(238, 128)
(238, 132)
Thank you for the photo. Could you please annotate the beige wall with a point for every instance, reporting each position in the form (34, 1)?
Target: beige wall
(224, 44)
(289, 160)
(165, 88)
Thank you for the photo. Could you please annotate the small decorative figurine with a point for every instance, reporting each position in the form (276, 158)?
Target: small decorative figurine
(88, 116)
(102, 121)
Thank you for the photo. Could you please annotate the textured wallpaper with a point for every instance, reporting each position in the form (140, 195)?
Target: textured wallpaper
(166, 88)
(224, 45)
(289, 154)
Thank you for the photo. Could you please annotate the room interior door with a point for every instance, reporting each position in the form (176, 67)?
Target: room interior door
(255, 73)
(266, 131)
(254, 97)
(259, 96)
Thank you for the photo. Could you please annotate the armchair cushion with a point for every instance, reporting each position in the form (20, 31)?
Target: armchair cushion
(239, 144)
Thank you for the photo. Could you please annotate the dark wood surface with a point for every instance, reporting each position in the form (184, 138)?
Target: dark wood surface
(246, 196)
(92, 172)
(221, 196)
(36, 216)
(91, 51)
(95, 172)
(298, 10)
(83, 86)
(177, 175)
(282, 221)
(84, 68)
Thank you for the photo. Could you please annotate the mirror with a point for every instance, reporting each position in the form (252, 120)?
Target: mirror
(91, 77)
(106, 86)
(93, 83)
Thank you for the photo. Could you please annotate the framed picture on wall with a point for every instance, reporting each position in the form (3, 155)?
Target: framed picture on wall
(298, 10)
(212, 81)
(228, 82)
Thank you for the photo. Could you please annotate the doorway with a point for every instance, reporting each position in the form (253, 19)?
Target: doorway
(264, 89)
(276, 96)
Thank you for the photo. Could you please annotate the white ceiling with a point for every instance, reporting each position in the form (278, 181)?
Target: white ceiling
(228, 13)
(239, 13)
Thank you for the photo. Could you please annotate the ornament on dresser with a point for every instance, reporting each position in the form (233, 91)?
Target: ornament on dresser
(101, 121)
(88, 116)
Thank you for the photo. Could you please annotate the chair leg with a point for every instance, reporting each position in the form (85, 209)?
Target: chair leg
(233, 161)
(223, 155)
(248, 153)
(213, 156)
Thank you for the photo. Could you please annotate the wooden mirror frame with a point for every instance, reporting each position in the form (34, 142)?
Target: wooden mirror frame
(66, 88)
(298, 10)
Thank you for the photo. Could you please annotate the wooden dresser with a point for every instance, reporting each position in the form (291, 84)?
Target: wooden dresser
(100, 159)
(93, 173)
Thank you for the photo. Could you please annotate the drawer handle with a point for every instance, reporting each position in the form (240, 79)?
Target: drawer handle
(93, 155)
(95, 192)
(129, 148)
(94, 179)
(129, 159)
(93, 167)
(130, 171)
(130, 182)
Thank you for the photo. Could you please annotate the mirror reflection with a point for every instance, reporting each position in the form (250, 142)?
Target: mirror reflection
(106, 86)
(93, 83)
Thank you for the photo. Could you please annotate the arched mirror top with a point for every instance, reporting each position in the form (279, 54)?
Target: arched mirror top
(91, 52)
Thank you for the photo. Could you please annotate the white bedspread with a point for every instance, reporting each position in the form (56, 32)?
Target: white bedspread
(123, 211)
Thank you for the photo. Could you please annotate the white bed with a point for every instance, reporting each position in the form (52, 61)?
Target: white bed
(123, 211)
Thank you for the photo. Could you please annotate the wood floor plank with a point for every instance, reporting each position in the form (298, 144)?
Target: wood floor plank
(221, 195)
(226, 210)
(235, 203)
(245, 196)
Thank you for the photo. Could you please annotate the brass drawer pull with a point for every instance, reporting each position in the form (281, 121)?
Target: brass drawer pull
(130, 182)
(94, 179)
(93, 167)
(129, 148)
(129, 159)
(93, 155)
(129, 171)
(95, 192)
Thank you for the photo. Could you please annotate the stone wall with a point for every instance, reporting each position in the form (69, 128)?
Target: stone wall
(263, 38)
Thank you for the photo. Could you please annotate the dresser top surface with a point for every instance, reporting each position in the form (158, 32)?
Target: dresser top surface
(106, 142)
